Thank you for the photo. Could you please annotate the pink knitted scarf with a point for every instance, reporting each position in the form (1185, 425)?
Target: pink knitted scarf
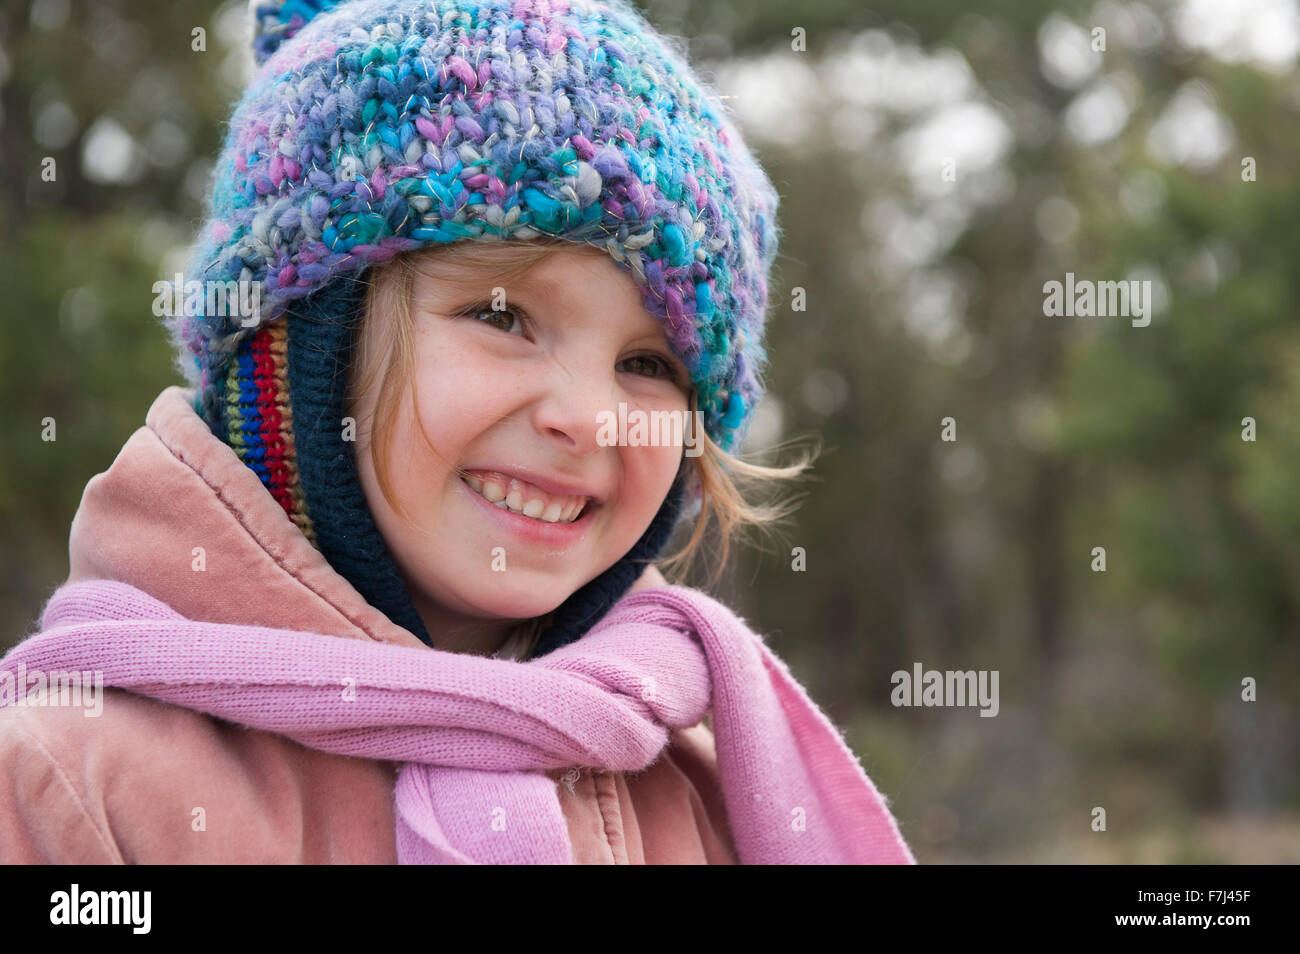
(476, 734)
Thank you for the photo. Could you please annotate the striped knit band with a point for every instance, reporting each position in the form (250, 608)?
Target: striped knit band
(259, 419)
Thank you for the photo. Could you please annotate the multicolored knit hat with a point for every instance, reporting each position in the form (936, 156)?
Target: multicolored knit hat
(375, 127)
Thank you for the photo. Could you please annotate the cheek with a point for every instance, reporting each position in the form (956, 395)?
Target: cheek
(649, 469)
(459, 387)
(443, 415)
(648, 476)
(439, 416)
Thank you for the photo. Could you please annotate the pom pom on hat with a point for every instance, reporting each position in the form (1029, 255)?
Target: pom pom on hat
(275, 21)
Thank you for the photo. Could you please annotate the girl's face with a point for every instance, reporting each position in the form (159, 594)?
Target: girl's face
(510, 380)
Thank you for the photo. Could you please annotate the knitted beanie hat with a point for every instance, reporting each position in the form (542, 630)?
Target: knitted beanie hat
(375, 127)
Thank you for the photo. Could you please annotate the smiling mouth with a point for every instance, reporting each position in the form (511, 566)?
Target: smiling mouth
(512, 494)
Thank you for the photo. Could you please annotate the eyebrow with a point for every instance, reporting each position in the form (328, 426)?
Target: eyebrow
(541, 283)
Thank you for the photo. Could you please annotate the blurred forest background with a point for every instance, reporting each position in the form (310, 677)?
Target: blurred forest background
(924, 300)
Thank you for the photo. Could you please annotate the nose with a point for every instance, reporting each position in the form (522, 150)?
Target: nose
(572, 400)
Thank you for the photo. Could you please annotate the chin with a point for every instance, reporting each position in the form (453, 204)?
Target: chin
(521, 600)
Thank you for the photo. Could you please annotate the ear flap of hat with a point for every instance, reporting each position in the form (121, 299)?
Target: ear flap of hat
(320, 343)
(275, 21)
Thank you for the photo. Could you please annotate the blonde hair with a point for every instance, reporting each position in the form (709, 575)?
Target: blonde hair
(385, 356)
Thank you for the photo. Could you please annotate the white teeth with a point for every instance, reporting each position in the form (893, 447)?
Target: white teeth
(557, 511)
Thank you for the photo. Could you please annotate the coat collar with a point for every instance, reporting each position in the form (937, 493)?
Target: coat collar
(179, 516)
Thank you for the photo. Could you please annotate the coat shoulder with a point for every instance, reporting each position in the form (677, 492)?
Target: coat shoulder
(46, 816)
(148, 782)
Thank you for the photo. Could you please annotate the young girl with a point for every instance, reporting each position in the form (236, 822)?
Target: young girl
(379, 586)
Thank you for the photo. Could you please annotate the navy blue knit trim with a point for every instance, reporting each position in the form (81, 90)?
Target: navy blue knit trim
(214, 416)
(321, 333)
